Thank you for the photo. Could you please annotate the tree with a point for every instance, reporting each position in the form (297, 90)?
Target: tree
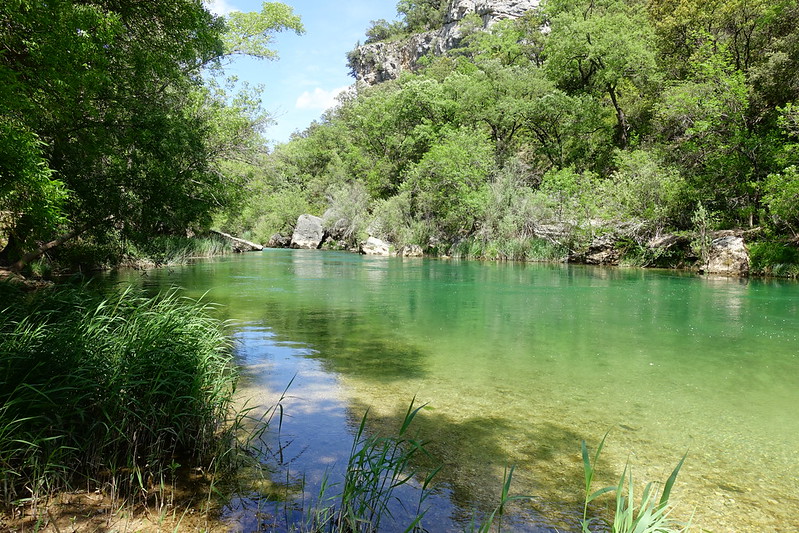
(602, 47)
(113, 92)
(448, 186)
(422, 15)
(703, 121)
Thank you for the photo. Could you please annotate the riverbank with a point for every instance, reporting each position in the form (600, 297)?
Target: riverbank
(547, 441)
(736, 252)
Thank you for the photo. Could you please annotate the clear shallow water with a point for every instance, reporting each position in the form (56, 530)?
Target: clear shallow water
(518, 363)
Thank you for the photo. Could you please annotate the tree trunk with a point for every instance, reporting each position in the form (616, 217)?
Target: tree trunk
(20, 231)
(621, 118)
(43, 249)
(46, 247)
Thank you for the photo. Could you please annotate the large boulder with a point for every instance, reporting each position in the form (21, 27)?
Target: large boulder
(374, 246)
(308, 233)
(339, 230)
(728, 255)
(279, 241)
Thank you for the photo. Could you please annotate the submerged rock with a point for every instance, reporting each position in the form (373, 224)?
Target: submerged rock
(308, 233)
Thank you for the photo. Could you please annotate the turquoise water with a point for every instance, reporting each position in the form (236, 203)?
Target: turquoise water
(517, 364)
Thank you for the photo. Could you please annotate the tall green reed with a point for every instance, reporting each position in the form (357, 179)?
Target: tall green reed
(649, 515)
(497, 515)
(376, 467)
(173, 250)
(110, 391)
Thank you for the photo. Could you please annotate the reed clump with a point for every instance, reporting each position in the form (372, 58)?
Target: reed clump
(376, 467)
(108, 392)
(648, 514)
(175, 250)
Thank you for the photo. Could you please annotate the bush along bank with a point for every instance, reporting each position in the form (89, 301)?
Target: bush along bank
(112, 393)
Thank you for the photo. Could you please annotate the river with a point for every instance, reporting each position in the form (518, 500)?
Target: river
(516, 364)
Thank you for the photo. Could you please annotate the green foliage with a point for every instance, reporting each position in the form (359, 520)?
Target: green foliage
(347, 216)
(107, 389)
(644, 189)
(393, 219)
(422, 15)
(251, 33)
(604, 47)
(27, 184)
(382, 30)
(173, 250)
(605, 113)
(377, 465)
(703, 222)
(781, 194)
(774, 258)
(570, 195)
(108, 122)
(449, 184)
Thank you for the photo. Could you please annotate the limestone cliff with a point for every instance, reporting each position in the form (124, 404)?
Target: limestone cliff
(376, 62)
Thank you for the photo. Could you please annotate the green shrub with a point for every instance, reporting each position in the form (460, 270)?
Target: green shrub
(774, 258)
(782, 196)
(643, 189)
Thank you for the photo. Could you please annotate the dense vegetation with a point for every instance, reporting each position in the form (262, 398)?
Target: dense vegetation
(575, 119)
(109, 392)
(114, 122)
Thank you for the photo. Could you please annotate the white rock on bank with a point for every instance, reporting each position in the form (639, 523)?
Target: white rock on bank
(374, 246)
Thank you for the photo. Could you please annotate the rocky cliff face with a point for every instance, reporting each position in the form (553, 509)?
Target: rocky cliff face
(376, 62)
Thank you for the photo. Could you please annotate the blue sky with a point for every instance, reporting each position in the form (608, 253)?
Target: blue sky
(312, 67)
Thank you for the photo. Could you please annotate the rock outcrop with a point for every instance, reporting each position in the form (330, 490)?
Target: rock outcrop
(308, 233)
(381, 61)
(279, 240)
(728, 255)
(603, 250)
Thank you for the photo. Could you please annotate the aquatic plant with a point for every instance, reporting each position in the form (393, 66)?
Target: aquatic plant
(377, 465)
(499, 511)
(650, 515)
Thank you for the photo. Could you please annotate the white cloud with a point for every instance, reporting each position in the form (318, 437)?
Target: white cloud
(219, 7)
(319, 98)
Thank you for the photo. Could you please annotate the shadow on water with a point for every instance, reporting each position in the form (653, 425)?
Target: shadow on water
(474, 463)
(376, 357)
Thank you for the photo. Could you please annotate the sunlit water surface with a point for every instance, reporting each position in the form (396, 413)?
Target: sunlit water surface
(518, 363)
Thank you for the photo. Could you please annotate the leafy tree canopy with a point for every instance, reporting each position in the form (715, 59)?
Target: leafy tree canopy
(107, 120)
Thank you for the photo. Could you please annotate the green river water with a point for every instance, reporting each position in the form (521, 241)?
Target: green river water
(518, 363)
